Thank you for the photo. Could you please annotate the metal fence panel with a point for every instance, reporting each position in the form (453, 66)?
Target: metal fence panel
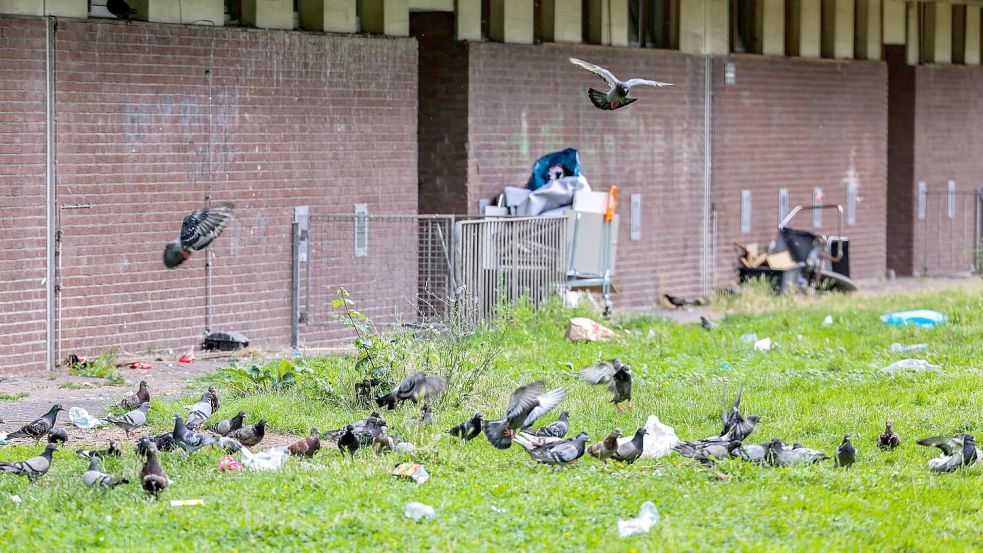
(950, 231)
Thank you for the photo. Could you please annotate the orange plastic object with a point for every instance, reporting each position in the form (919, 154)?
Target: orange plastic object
(612, 204)
(186, 358)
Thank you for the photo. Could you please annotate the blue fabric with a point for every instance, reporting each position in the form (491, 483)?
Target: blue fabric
(919, 317)
(569, 159)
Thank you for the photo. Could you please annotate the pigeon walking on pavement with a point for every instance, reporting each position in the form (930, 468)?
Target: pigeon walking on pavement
(32, 468)
(616, 375)
(94, 478)
(250, 435)
(556, 429)
(469, 429)
(198, 230)
(846, 454)
(227, 426)
(416, 387)
(132, 420)
(957, 451)
(630, 451)
(607, 447)
(527, 404)
(189, 440)
(152, 477)
(134, 400)
(39, 427)
(617, 96)
(560, 453)
(889, 439)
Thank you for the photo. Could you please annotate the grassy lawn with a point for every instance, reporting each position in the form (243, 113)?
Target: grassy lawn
(817, 384)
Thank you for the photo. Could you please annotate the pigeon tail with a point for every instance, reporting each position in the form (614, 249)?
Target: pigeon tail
(495, 432)
(599, 99)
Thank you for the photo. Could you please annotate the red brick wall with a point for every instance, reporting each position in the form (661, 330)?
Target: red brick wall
(798, 124)
(149, 115)
(22, 194)
(526, 101)
(901, 207)
(947, 146)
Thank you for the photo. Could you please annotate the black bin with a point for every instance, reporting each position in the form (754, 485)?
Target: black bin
(798, 242)
(836, 245)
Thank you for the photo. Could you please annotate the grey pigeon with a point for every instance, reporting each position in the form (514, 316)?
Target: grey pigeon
(560, 453)
(736, 426)
(199, 412)
(120, 8)
(32, 468)
(112, 451)
(199, 229)
(223, 428)
(527, 405)
(133, 401)
(57, 436)
(530, 442)
(707, 323)
(889, 439)
(163, 442)
(957, 451)
(93, 478)
(230, 445)
(152, 477)
(38, 428)
(308, 446)
(630, 451)
(556, 429)
(607, 447)
(706, 452)
(415, 387)
(370, 426)
(780, 455)
(348, 443)
(469, 429)
(250, 435)
(617, 96)
(426, 414)
(132, 420)
(754, 453)
(846, 454)
(616, 375)
(189, 440)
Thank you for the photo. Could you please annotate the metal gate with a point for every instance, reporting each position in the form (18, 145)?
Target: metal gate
(949, 232)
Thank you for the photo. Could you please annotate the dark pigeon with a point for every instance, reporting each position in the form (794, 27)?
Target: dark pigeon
(560, 453)
(348, 443)
(189, 440)
(38, 428)
(142, 395)
(706, 453)
(736, 427)
(57, 436)
(163, 442)
(112, 451)
(213, 399)
(606, 448)
(120, 9)
(227, 426)
(250, 435)
(630, 451)
(469, 429)
(780, 455)
(308, 446)
(616, 375)
(676, 301)
(707, 323)
(365, 430)
(846, 454)
(94, 478)
(152, 476)
(33, 468)
(415, 387)
(199, 229)
(556, 429)
(889, 439)
(957, 451)
(132, 420)
(527, 405)
(617, 96)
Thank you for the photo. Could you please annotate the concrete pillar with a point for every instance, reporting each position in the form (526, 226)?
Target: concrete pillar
(62, 8)
(938, 32)
(330, 16)
(867, 33)
(701, 32)
(562, 21)
(837, 31)
(972, 48)
(771, 23)
(802, 35)
(607, 22)
(386, 17)
(912, 39)
(199, 12)
(894, 22)
(268, 14)
(511, 21)
(467, 19)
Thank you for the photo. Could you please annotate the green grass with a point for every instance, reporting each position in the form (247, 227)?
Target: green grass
(13, 397)
(102, 366)
(818, 383)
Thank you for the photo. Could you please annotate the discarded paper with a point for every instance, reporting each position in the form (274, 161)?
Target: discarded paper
(412, 470)
(229, 464)
(186, 502)
(899, 348)
(648, 516)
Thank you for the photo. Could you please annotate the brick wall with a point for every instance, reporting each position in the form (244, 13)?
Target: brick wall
(947, 146)
(22, 194)
(152, 118)
(901, 159)
(798, 124)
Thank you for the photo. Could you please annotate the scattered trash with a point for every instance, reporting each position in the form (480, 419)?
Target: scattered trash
(659, 440)
(828, 321)
(82, 419)
(724, 366)
(417, 511)
(497, 509)
(749, 338)
(925, 318)
(186, 502)
(582, 329)
(141, 365)
(648, 516)
(763, 344)
(16, 499)
(412, 470)
(912, 365)
(898, 348)
(229, 464)
(77, 362)
(405, 447)
(187, 357)
(271, 459)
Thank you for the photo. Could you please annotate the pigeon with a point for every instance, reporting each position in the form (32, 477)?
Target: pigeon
(469, 429)
(365, 430)
(199, 229)
(616, 375)
(132, 420)
(560, 453)
(142, 395)
(630, 451)
(780, 455)
(414, 387)
(846, 454)
(527, 405)
(348, 443)
(230, 445)
(707, 323)
(93, 478)
(57, 436)
(754, 453)
(38, 428)
(308, 446)
(617, 96)
(676, 301)
(112, 451)
(556, 429)
(889, 439)
(33, 468)
(706, 453)
(227, 426)
(199, 412)
(607, 447)
(958, 451)
(213, 399)
(383, 441)
(120, 9)
(152, 476)
(530, 442)
(250, 435)
(425, 414)
(163, 442)
(736, 426)
(189, 440)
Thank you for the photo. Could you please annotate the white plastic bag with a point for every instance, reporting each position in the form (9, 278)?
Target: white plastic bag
(82, 419)
(648, 516)
(271, 459)
(417, 511)
(659, 440)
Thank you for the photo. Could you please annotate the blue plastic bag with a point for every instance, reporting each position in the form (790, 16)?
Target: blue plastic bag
(925, 318)
(568, 159)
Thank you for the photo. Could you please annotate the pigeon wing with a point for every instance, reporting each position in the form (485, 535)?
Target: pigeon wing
(604, 74)
(202, 226)
(644, 82)
(523, 401)
(544, 404)
(598, 374)
(947, 444)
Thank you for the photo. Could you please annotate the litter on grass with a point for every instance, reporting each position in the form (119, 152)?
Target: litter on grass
(828, 321)
(899, 348)
(416, 511)
(415, 471)
(82, 419)
(270, 459)
(16, 499)
(659, 440)
(648, 516)
(763, 344)
(186, 502)
(910, 365)
(749, 338)
(582, 329)
(229, 464)
(925, 318)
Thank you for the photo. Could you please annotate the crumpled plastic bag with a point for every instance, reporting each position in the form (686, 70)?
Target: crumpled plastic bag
(925, 318)
(659, 440)
(82, 419)
(229, 464)
(268, 460)
(416, 511)
(763, 344)
(910, 365)
(648, 516)
(582, 329)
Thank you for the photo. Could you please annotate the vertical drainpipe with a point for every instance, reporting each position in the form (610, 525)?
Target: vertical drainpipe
(707, 151)
(51, 208)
